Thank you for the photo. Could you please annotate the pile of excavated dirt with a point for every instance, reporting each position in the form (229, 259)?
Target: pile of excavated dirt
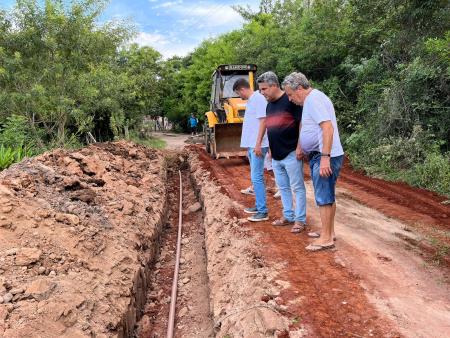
(78, 230)
(243, 290)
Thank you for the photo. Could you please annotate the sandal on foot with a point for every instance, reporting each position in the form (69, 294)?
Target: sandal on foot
(281, 222)
(298, 227)
(248, 191)
(319, 247)
(316, 234)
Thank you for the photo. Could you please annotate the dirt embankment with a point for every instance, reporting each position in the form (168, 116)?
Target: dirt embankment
(409, 204)
(78, 229)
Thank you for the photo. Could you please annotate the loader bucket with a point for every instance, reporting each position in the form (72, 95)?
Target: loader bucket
(228, 139)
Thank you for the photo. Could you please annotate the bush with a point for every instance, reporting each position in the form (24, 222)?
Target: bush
(17, 133)
(9, 155)
(404, 152)
(17, 140)
(415, 160)
(433, 173)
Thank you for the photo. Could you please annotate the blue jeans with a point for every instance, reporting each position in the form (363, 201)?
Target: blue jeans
(325, 187)
(257, 177)
(289, 177)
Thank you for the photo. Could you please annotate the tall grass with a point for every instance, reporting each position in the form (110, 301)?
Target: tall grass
(152, 142)
(9, 155)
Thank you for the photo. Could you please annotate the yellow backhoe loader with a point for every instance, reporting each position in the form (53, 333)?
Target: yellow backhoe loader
(223, 125)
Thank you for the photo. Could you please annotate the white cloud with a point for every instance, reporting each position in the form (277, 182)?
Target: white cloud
(182, 25)
(168, 4)
(205, 14)
(150, 39)
(167, 47)
(180, 49)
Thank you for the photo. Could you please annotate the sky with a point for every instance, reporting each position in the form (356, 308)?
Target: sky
(173, 27)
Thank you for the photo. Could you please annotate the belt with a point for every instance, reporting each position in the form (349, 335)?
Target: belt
(312, 154)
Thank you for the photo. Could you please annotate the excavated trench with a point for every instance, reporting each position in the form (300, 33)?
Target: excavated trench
(193, 317)
(223, 286)
(226, 288)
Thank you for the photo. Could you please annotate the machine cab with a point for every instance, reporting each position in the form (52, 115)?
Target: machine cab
(225, 103)
(223, 127)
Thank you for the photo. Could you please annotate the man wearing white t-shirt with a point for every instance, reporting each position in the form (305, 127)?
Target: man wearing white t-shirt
(320, 142)
(253, 129)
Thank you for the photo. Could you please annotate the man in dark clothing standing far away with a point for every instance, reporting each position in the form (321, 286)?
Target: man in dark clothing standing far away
(283, 124)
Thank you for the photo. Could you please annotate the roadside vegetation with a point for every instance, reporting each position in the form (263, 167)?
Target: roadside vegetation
(64, 77)
(384, 63)
(149, 141)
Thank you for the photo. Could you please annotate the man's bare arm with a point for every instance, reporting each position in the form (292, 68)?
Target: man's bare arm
(299, 152)
(327, 136)
(261, 132)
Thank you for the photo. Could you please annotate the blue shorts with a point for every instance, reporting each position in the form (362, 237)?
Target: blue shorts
(325, 187)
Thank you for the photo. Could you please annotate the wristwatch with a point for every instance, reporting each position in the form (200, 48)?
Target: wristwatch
(325, 154)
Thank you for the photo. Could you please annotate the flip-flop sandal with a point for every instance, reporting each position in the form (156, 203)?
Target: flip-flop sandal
(316, 247)
(281, 222)
(297, 228)
(315, 234)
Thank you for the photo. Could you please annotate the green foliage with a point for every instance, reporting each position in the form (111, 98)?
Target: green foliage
(6, 157)
(196, 78)
(16, 133)
(9, 155)
(151, 142)
(432, 173)
(17, 140)
(415, 160)
(171, 88)
(67, 75)
(140, 68)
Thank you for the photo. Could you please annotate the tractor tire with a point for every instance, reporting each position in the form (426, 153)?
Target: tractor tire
(207, 132)
(212, 144)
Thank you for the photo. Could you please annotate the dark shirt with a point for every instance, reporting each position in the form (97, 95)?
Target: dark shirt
(282, 122)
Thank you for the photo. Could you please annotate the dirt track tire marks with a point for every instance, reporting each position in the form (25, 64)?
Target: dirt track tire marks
(406, 203)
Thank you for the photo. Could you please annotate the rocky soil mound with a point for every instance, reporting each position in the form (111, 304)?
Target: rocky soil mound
(243, 289)
(78, 229)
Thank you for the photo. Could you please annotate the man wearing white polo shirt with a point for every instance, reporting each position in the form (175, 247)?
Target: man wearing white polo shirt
(253, 129)
(320, 142)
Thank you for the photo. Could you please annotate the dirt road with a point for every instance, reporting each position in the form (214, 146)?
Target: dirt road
(173, 141)
(379, 282)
